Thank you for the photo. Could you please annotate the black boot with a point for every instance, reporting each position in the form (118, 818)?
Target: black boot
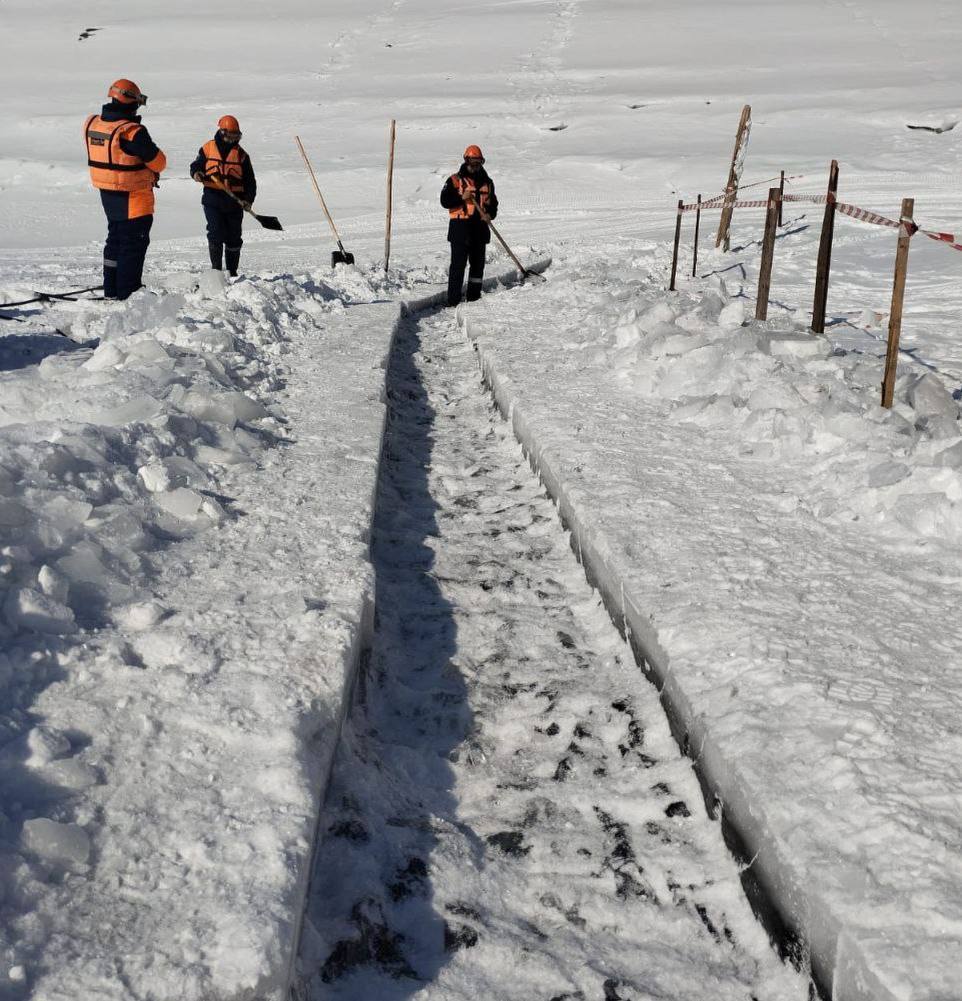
(110, 279)
(216, 255)
(232, 260)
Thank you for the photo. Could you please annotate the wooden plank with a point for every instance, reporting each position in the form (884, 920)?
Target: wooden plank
(694, 256)
(824, 266)
(898, 297)
(734, 176)
(781, 196)
(390, 197)
(768, 255)
(674, 256)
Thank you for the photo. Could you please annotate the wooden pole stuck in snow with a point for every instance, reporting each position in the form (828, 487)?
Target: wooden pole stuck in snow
(674, 256)
(781, 196)
(694, 256)
(906, 231)
(768, 254)
(390, 197)
(824, 267)
(731, 188)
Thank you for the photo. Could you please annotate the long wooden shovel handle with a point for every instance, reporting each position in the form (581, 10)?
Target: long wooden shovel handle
(494, 229)
(317, 191)
(218, 182)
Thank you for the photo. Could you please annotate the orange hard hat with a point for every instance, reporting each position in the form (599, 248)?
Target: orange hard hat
(126, 92)
(229, 124)
(474, 153)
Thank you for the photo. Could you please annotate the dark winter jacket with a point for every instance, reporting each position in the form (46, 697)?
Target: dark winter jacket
(474, 229)
(141, 144)
(116, 204)
(221, 199)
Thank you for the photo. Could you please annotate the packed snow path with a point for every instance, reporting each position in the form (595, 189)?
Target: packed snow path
(509, 817)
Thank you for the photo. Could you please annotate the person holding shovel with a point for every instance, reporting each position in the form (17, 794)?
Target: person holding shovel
(470, 200)
(230, 187)
(125, 164)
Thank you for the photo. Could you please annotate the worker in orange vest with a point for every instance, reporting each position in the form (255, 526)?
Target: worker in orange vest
(125, 165)
(468, 233)
(220, 164)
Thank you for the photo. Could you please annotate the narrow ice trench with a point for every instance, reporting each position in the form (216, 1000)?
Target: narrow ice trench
(508, 815)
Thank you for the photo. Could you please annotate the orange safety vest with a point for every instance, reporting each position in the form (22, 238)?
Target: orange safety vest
(231, 169)
(111, 169)
(482, 196)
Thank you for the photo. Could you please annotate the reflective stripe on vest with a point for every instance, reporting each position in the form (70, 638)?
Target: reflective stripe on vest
(111, 169)
(231, 169)
(482, 195)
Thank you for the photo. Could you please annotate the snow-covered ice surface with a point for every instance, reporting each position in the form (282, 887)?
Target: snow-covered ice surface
(150, 610)
(509, 815)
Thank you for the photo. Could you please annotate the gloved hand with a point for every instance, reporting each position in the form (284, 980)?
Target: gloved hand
(198, 176)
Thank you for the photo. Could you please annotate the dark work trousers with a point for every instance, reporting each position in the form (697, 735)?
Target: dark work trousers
(462, 254)
(224, 226)
(124, 253)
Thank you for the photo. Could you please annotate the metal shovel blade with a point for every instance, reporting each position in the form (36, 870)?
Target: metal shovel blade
(341, 257)
(269, 221)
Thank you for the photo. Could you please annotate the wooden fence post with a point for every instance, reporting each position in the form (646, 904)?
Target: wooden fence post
(734, 175)
(768, 255)
(674, 258)
(781, 196)
(694, 256)
(390, 198)
(824, 267)
(906, 231)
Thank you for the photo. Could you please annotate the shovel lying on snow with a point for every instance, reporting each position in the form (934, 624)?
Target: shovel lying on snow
(339, 256)
(525, 273)
(267, 221)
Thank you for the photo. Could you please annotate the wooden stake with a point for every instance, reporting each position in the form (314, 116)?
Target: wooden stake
(781, 196)
(898, 296)
(390, 198)
(674, 257)
(824, 267)
(734, 175)
(694, 256)
(768, 255)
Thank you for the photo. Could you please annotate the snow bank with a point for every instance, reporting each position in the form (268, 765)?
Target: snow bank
(784, 556)
(184, 512)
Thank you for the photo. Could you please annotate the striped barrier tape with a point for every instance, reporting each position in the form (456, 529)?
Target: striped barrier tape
(852, 211)
(949, 239)
(719, 200)
(863, 215)
(713, 204)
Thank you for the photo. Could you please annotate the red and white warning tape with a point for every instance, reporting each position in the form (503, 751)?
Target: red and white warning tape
(716, 204)
(946, 238)
(852, 211)
(719, 200)
(863, 215)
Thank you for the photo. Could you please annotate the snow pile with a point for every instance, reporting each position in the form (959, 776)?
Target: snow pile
(105, 453)
(779, 394)
(183, 526)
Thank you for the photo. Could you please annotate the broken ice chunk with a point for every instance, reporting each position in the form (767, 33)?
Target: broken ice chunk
(181, 503)
(45, 744)
(64, 843)
(26, 608)
(140, 615)
(53, 584)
